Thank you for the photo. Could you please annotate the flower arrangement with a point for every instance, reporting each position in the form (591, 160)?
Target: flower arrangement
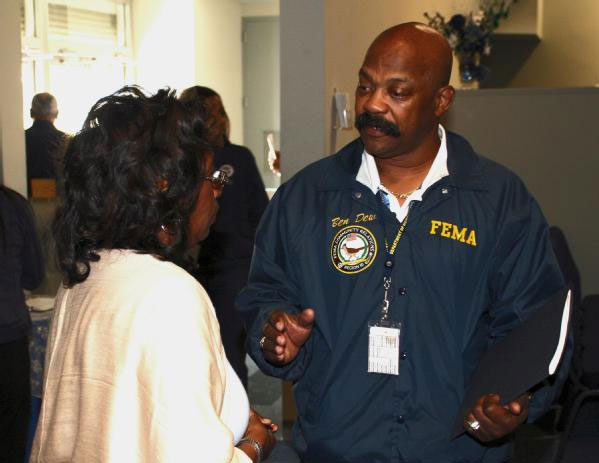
(470, 35)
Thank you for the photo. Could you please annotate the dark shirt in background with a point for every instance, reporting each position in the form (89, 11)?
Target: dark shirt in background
(21, 263)
(42, 141)
(241, 204)
(224, 258)
(21, 267)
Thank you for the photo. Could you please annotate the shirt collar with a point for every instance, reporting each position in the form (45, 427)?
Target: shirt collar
(368, 173)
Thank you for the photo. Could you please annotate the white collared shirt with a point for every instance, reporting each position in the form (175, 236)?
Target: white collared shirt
(368, 175)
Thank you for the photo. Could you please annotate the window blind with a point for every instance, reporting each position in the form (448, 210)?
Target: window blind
(66, 23)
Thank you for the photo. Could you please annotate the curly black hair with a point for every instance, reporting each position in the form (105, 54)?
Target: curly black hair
(135, 167)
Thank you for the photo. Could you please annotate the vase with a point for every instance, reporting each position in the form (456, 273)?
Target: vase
(470, 71)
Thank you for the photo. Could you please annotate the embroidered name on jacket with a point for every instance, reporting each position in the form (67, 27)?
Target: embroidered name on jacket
(360, 217)
(452, 231)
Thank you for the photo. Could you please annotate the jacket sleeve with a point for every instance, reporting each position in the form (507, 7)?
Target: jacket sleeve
(272, 285)
(525, 275)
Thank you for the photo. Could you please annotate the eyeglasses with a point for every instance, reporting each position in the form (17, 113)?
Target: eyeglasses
(218, 179)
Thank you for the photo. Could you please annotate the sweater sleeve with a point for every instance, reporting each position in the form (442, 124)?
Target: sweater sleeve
(183, 374)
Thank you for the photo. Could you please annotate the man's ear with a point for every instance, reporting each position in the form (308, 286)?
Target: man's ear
(443, 100)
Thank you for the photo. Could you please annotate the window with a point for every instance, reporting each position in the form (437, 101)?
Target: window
(78, 50)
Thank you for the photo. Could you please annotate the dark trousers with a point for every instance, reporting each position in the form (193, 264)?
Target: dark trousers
(232, 331)
(223, 288)
(15, 400)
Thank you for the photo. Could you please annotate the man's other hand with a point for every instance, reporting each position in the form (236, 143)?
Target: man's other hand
(488, 420)
(284, 334)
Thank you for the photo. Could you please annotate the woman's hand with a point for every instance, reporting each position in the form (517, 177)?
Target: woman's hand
(262, 431)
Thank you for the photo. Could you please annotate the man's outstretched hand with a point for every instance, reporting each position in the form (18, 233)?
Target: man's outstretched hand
(488, 420)
(284, 334)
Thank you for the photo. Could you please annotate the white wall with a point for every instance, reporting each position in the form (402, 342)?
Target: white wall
(180, 43)
(163, 43)
(568, 54)
(12, 138)
(522, 18)
(218, 56)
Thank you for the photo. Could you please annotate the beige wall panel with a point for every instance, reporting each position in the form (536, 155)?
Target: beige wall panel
(218, 59)
(568, 54)
(260, 9)
(164, 43)
(13, 169)
(179, 43)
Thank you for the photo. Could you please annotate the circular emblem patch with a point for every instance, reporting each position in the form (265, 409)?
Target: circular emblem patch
(353, 249)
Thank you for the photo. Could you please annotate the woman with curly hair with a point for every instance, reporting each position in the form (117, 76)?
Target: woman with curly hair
(135, 368)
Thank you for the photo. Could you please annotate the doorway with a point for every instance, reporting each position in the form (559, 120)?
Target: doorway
(261, 91)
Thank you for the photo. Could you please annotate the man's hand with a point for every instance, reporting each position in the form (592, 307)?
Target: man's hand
(285, 334)
(488, 420)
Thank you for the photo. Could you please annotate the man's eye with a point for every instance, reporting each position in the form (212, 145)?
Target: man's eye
(363, 88)
(398, 94)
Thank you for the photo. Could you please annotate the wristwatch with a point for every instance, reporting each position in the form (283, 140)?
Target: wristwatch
(257, 447)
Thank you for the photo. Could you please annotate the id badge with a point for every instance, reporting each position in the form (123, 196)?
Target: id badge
(383, 347)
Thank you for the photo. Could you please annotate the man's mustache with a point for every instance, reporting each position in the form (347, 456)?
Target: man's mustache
(368, 120)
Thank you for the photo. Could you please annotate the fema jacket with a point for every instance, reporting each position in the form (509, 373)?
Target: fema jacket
(474, 261)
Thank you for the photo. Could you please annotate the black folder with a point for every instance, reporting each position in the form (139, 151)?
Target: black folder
(523, 358)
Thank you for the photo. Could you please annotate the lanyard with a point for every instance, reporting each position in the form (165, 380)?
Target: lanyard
(389, 259)
(398, 236)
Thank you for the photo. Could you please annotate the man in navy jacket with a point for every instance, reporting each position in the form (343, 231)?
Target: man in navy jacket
(42, 139)
(405, 242)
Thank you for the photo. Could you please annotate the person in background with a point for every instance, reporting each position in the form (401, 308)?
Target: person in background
(224, 257)
(135, 368)
(21, 267)
(42, 139)
(409, 240)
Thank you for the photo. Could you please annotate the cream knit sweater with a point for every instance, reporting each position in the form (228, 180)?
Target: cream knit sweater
(135, 369)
